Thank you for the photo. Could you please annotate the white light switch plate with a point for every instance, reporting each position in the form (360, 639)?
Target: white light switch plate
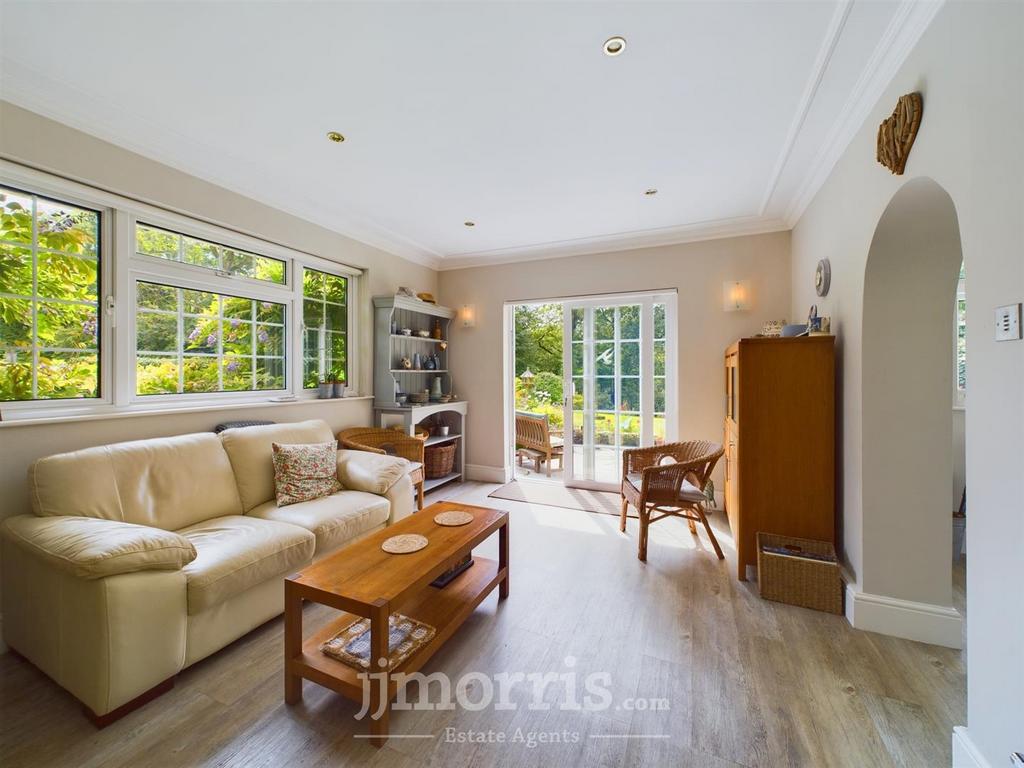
(1008, 323)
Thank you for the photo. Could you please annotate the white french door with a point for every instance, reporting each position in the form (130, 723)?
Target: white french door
(619, 380)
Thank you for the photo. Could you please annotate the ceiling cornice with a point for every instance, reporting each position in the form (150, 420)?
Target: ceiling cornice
(905, 28)
(650, 238)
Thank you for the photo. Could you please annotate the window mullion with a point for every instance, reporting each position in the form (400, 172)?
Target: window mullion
(34, 304)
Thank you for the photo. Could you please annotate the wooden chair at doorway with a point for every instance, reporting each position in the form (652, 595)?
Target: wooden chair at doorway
(668, 481)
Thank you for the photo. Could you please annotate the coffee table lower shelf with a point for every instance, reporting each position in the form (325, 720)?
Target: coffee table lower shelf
(444, 609)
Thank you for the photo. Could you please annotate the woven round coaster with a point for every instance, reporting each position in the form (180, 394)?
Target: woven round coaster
(453, 518)
(404, 544)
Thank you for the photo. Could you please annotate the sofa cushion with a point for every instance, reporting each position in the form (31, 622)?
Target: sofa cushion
(370, 472)
(251, 452)
(334, 520)
(237, 552)
(165, 482)
(305, 472)
(90, 548)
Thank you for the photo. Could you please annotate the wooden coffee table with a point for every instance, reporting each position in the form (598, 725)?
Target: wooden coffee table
(363, 580)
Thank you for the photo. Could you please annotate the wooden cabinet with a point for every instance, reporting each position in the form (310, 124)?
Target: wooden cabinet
(780, 407)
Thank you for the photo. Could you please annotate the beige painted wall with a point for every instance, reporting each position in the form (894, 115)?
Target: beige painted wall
(44, 144)
(969, 65)
(696, 270)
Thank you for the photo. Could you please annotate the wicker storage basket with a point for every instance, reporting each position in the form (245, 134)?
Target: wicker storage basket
(438, 460)
(799, 580)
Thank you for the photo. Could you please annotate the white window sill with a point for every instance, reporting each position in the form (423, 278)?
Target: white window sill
(14, 419)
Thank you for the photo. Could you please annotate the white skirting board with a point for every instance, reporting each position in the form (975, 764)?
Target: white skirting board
(923, 622)
(485, 474)
(965, 754)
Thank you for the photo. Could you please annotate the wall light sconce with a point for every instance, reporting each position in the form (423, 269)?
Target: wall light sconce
(736, 295)
(468, 315)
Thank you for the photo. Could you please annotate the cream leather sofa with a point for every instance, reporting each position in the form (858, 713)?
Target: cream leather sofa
(142, 558)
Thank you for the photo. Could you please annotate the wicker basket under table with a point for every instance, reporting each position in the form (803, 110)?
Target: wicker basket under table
(438, 460)
(798, 580)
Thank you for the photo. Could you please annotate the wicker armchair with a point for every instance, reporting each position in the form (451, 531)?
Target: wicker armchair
(392, 442)
(673, 489)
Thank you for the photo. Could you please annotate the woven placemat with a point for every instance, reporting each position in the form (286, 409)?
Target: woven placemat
(453, 518)
(404, 544)
(352, 644)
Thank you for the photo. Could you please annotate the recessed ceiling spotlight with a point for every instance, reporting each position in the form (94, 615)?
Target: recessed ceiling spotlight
(613, 46)
(469, 223)
(336, 137)
(650, 192)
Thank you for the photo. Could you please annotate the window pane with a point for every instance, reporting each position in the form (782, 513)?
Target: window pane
(604, 323)
(629, 322)
(630, 391)
(152, 296)
(200, 373)
(629, 429)
(16, 323)
(604, 428)
(335, 289)
(659, 321)
(153, 241)
(237, 373)
(659, 394)
(577, 324)
(202, 254)
(269, 373)
(69, 326)
(15, 270)
(217, 348)
(45, 319)
(156, 242)
(659, 358)
(325, 323)
(577, 359)
(66, 375)
(65, 228)
(16, 375)
(268, 312)
(270, 340)
(15, 216)
(604, 358)
(629, 358)
(156, 332)
(156, 375)
(604, 394)
(200, 302)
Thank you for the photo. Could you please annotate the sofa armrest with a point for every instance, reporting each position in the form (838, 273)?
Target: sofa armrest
(370, 472)
(93, 548)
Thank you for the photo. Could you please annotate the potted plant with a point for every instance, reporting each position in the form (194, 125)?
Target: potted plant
(325, 388)
(339, 386)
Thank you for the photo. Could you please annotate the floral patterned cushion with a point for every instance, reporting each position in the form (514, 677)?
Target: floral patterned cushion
(305, 472)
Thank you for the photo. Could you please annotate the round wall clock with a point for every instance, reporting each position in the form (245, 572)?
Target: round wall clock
(822, 277)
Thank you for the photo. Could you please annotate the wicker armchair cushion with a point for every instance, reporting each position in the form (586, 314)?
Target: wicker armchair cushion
(687, 491)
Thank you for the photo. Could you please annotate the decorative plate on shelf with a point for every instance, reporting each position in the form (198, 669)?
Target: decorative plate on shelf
(404, 544)
(453, 519)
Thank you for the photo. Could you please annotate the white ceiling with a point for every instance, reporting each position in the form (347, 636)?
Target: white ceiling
(508, 114)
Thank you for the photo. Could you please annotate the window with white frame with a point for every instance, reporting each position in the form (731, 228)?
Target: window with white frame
(189, 341)
(187, 309)
(49, 298)
(324, 327)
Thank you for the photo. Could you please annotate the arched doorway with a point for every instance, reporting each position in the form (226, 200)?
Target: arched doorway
(909, 284)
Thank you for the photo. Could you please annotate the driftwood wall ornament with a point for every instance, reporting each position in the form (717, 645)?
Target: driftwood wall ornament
(897, 132)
